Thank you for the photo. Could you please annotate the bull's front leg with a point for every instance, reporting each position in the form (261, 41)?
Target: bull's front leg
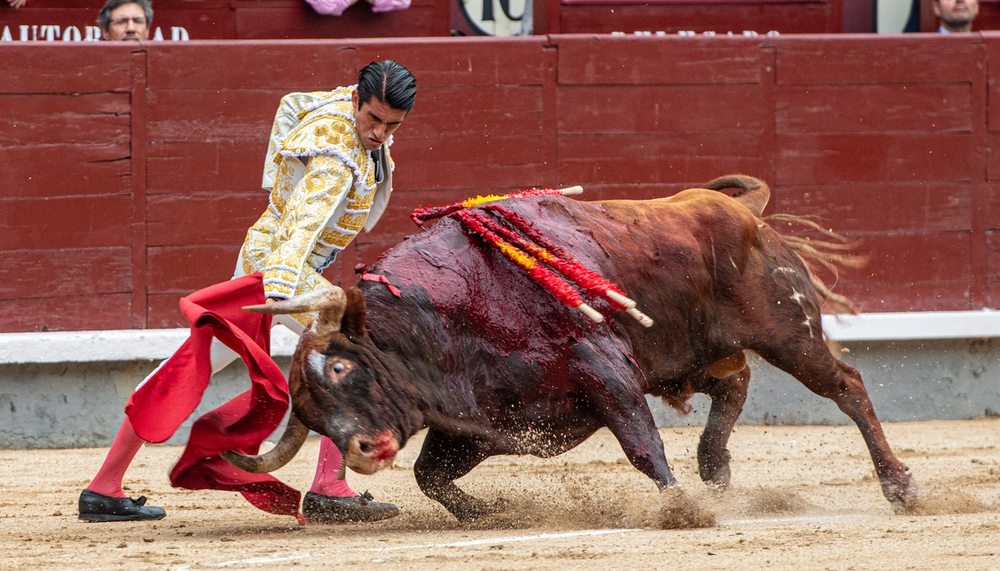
(617, 400)
(444, 459)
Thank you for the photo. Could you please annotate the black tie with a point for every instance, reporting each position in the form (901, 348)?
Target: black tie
(378, 166)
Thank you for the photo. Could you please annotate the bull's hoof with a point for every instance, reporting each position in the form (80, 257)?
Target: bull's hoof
(715, 471)
(718, 480)
(904, 497)
(318, 508)
(675, 510)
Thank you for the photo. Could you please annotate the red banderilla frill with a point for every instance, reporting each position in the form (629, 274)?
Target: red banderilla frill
(529, 253)
(476, 223)
(431, 212)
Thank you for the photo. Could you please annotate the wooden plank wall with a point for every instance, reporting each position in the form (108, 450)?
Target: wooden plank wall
(132, 172)
(699, 16)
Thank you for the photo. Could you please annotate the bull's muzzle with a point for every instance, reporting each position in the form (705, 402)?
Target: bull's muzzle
(367, 455)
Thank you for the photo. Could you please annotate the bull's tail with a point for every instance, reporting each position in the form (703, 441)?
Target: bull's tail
(753, 192)
(832, 254)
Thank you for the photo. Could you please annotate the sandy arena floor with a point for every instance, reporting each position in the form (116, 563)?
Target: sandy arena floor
(802, 498)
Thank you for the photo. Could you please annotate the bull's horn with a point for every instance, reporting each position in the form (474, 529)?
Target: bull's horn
(286, 448)
(332, 296)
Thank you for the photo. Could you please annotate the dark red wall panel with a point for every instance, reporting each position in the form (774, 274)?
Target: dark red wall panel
(66, 68)
(864, 158)
(162, 311)
(881, 207)
(927, 107)
(992, 211)
(641, 110)
(183, 166)
(84, 169)
(71, 313)
(621, 159)
(993, 262)
(210, 218)
(65, 222)
(875, 59)
(611, 60)
(673, 17)
(208, 115)
(65, 118)
(282, 66)
(182, 269)
(27, 274)
(283, 19)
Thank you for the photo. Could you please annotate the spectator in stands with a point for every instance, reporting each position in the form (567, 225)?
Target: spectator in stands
(15, 4)
(337, 7)
(122, 20)
(329, 174)
(956, 15)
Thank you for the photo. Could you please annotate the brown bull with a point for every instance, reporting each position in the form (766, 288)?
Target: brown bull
(491, 364)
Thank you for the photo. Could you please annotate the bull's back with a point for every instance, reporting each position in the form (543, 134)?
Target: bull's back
(698, 235)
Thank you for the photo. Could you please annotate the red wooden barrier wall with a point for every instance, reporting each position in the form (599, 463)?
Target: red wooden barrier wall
(130, 173)
(699, 16)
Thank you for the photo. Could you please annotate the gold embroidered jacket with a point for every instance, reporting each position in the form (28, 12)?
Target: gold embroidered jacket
(323, 192)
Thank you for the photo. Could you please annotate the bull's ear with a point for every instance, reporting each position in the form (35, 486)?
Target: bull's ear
(353, 324)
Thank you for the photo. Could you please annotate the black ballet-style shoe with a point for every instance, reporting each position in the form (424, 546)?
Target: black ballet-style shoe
(98, 507)
(318, 508)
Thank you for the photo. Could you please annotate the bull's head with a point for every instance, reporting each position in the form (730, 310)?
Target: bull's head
(333, 386)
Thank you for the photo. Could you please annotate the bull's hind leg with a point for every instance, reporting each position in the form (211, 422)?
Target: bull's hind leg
(820, 372)
(444, 459)
(728, 395)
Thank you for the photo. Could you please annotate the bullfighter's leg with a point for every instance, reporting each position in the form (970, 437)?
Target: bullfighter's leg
(330, 500)
(728, 395)
(444, 459)
(816, 368)
(617, 400)
(104, 498)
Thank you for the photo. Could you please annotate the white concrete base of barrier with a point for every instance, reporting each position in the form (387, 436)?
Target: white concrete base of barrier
(158, 344)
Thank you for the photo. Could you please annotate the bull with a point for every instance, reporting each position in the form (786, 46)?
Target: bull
(491, 364)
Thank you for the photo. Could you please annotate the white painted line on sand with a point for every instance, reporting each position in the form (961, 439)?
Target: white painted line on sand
(498, 540)
(269, 559)
(277, 558)
(800, 519)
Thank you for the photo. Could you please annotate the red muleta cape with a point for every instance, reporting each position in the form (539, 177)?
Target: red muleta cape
(159, 406)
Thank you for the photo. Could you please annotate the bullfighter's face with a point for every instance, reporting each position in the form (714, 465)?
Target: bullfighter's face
(375, 121)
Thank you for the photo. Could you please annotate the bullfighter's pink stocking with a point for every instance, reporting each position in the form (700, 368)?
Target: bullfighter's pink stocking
(326, 481)
(108, 480)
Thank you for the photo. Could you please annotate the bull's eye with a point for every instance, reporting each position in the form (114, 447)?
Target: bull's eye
(337, 369)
